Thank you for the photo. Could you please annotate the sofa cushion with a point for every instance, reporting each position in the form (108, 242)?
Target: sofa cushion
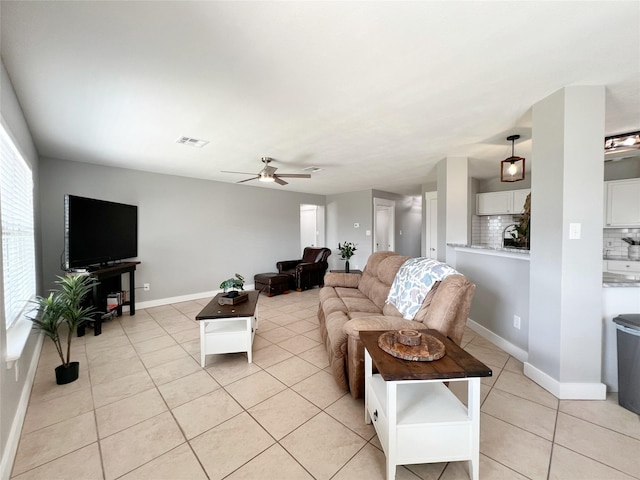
(361, 304)
(389, 268)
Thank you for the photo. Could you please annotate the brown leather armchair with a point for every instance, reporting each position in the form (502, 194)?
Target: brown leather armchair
(309, 270)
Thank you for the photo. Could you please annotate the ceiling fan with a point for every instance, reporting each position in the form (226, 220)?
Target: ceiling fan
(268, 174)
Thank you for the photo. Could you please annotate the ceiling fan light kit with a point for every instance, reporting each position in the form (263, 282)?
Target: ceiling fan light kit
(268, 174)
(512, 168)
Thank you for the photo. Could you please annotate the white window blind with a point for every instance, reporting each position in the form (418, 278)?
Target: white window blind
(18, 247)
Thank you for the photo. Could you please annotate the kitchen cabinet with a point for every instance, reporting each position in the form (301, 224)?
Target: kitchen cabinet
(622, 203)
(505, 202)
(622, 266)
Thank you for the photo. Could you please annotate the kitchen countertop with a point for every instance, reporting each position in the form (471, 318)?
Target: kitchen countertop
(620, 258)
(519, 251)
(609, 280)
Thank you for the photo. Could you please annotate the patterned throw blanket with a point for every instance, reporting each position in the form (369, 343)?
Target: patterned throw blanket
(412, 283)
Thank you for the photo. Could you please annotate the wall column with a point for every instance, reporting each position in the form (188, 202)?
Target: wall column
(453, 206)
(565, 325)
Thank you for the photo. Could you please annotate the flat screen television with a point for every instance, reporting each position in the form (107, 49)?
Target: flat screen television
(97, 232)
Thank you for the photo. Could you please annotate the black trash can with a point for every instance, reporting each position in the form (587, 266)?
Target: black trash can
(628, 336)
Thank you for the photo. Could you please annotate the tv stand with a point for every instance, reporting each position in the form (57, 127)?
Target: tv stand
(110, 279)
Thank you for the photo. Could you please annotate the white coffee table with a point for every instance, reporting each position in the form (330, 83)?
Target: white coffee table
(228, 328)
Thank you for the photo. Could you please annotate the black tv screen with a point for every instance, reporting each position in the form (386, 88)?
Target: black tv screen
(98, 232)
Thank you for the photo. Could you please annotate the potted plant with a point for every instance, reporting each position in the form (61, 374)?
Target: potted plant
(347, 250)
(233, 283)
(63, 307)
(521, 234)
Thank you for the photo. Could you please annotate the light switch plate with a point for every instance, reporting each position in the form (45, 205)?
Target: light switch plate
(575, 231)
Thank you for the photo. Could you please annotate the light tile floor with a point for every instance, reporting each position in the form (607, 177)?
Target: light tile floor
(144, 409)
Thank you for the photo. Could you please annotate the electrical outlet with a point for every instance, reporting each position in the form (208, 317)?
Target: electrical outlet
(516, 321)
(146, 287)
(609, 243)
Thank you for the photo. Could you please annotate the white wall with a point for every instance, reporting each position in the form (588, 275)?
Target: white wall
(566, 274)
(14, 392)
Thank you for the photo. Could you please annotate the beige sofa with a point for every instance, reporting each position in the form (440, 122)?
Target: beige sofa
(350, 303)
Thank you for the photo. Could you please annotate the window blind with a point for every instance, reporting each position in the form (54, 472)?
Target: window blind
(18, 246)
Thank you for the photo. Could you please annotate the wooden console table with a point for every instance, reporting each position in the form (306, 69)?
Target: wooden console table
(417, 418)
(98, 298)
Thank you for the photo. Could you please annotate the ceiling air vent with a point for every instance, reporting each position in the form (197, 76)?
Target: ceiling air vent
(312, 169)
(192, 142)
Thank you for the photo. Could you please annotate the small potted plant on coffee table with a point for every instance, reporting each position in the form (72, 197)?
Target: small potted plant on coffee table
(233, 297)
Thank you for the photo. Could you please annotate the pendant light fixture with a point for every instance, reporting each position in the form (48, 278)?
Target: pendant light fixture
(512, 168)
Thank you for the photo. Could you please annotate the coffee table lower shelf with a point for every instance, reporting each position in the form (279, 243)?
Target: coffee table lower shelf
(230, 335)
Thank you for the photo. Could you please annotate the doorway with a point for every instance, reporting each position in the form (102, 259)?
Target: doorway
(431, 224)
(384, 220)
(311, 226)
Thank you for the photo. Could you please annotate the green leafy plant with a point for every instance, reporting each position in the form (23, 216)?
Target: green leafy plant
(64, 307)
(521, 234)
(236, 283)
(347, 250)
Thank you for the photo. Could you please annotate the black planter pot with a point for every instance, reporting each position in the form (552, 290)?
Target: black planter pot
(68, 374)
(232, 294)
(346, 266)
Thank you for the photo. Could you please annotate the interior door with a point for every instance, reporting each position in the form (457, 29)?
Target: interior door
(308, 226)
(431, 224)
(383, 224)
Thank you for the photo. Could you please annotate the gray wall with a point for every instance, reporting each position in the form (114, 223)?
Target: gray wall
(12, 389)
(343, 210)
(495, 185)
(502, 291)
(192, 234)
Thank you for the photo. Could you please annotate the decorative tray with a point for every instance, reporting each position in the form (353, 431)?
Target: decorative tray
(427, 350)
(241, 297)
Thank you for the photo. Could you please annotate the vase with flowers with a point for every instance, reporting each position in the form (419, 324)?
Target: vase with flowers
(347, 250)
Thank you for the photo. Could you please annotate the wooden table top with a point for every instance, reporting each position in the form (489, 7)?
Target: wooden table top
(213, 310)
(456, 363)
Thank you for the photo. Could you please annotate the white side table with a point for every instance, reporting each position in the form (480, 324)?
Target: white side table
(417, 418)
(228, 328)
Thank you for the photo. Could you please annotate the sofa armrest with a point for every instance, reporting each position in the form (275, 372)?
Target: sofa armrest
(310, 267)
(378, 322)
(287, 265)
(346, 280)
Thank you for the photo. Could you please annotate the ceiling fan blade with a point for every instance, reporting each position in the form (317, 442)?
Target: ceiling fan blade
(268, 170)
(242, 173)
(279, 181)
(249, 179)
(295, 175)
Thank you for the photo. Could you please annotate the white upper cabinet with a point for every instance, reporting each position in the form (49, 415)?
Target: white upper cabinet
(498, 203)
(622, 203)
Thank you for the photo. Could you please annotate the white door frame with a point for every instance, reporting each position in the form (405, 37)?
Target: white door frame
(431, 225)
(390, 206)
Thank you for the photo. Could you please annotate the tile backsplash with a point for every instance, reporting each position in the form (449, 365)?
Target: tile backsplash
(488, 229)
(612, 244)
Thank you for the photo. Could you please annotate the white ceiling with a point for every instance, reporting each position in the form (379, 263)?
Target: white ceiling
(376, 93)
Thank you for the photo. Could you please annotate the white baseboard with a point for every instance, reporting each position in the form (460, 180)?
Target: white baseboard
(498, 341)
(11, 447)
(567, 390)
(181, 298)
